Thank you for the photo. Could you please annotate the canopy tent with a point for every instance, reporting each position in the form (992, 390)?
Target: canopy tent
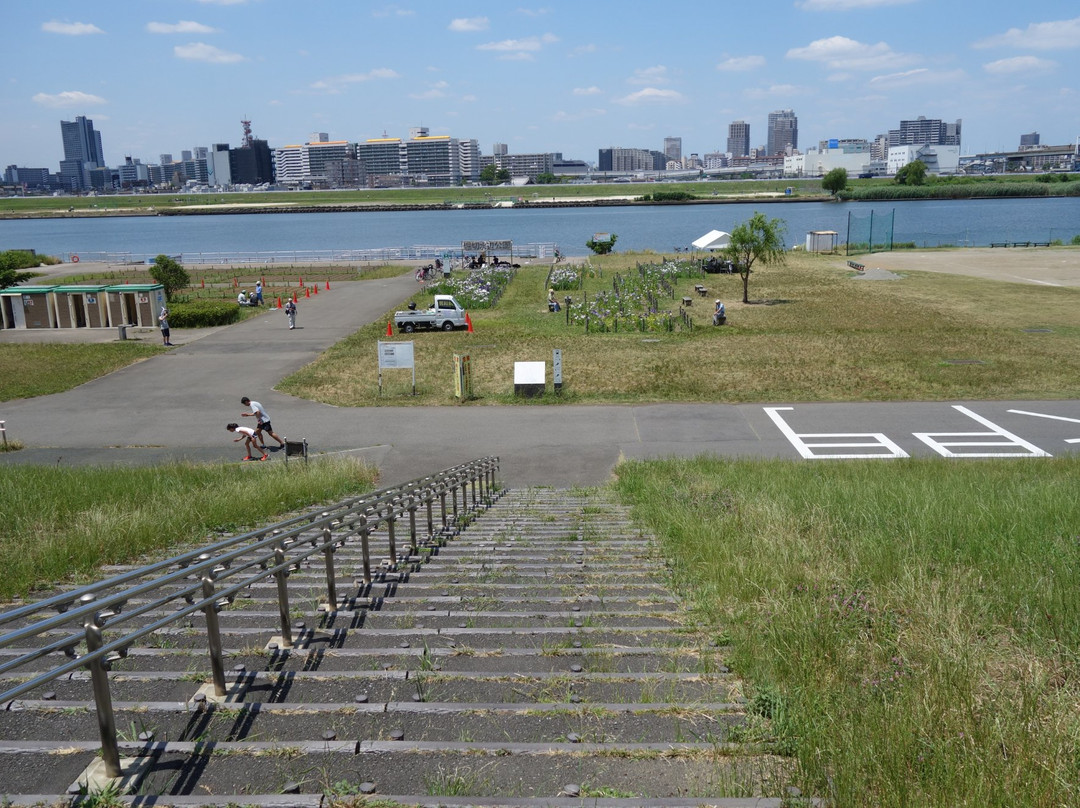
(713, 240)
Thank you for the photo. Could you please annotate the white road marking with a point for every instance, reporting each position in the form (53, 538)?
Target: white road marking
(1044, 415)
(981, 440)
(856, 440)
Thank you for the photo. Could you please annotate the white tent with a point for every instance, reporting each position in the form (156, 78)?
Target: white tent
(713, 240)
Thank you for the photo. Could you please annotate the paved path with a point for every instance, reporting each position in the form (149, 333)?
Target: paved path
(175, 406)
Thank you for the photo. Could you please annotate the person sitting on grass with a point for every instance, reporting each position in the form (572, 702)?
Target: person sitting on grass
(247, 435)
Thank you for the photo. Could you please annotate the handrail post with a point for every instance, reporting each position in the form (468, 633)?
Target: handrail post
(442, 507)
(99, 676)
(391, 520)
(213, 634)
(331, 576)
(364, 532)
(472, 484)
(412, 524)
(455, 484)
(281, 577)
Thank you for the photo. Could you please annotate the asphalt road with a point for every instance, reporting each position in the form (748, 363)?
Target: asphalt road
(175, 406)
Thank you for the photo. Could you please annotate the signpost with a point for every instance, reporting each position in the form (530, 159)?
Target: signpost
(396, 355)
(462, 377)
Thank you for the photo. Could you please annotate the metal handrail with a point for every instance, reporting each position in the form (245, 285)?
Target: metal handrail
(239, 562)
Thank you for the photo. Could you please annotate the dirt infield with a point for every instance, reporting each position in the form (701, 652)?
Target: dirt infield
(1044, 266)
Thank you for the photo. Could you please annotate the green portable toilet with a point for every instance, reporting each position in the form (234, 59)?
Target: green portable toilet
(135, 304)
(81, 306)
(27, 307)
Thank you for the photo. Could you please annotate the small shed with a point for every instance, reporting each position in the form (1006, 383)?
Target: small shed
(135, 303)
(81, 306)
(713, 240)
(27, 307)
(821, 240)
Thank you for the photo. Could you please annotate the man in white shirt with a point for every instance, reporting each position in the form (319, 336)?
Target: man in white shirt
(262, 417)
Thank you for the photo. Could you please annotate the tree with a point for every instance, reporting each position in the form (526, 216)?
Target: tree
(503, 175)
(546, 178)
(602, 246)
(169, 274)
(488, 174)
(914, 173)
(758, 239)
(835, 181)
(11, 261)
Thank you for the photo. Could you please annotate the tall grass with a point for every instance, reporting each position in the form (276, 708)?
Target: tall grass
(62, 524)
(915, 622)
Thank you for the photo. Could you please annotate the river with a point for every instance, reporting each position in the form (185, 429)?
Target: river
(662, 228)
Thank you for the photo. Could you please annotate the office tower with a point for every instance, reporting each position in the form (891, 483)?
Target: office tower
(82, 151)
(499, 149)
(783, 131)
(738, 138)
(673, 149)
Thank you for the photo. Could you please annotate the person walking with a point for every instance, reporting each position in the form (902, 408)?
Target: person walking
(290, 312)
(163, 322)
(262, 418)
(247, 435)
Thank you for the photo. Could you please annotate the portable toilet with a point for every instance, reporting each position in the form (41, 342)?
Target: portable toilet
(81, 306)
(135, 303)
(27, 307)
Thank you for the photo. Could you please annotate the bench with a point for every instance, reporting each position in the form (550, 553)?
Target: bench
(856, 266)
(1040, 244)
(701, 290)
(686, 301)
(999, 244)
(1021, 243)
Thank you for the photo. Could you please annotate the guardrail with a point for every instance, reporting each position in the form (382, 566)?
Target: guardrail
(208, 579)
(425, 252)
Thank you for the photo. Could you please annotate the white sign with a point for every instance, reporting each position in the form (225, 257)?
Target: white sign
(395, 355)
(529, 372)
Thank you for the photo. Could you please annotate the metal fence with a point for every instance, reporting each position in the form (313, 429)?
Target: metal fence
(100, 632)
(417, 252)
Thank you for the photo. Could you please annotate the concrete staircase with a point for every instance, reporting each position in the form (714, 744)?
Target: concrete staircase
(538, 658)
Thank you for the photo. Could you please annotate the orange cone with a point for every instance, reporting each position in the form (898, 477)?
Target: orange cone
(294, 297)
(316, 287)
(468, 322)
(307, 292)
(279, 302)
(389, 329)
(328, 286)
(301, 282)
(204, 283)
(234, 283)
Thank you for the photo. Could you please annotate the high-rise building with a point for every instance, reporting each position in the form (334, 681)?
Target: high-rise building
(1029, 141)
(738, 138)
(500, 149)
(925, 131)
(82, 151)
(673, 149)
(783, 132)
(525, 165)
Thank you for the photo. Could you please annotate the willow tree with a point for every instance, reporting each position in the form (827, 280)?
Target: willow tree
(758, 240)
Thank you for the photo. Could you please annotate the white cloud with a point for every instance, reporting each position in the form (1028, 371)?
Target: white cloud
(649, 75)
(580, 49)
(201, 52)
(774, 90)
(519, 49)
(842, 53)
(570, 117)
(594, 90)
(68, 98)
(463, 24)
(469, 98)
(1020, 64)
(182, 27)
(650, 95)
(1038, 36)
(847, 5)
(739, 64)
(433, 92)
(335, 84)
(918, 76)
(70, 28)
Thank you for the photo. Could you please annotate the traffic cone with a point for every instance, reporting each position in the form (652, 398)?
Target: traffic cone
(307, 292)
(204, 283)
(294, 297)
(279, 302)
(234, 283)
(328, 286)
(389, 329)
(301, 282)
(316, 287)
(468, 322)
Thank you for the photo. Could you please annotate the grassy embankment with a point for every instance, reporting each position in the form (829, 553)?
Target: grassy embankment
(61, 524)
(912, 626)
(826, 336)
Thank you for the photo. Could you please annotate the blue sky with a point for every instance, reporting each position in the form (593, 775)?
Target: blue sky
(159, 76)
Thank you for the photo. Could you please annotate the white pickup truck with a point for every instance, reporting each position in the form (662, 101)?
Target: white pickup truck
(445, 313)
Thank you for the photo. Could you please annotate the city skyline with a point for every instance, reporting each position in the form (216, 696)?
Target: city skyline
(554, 77)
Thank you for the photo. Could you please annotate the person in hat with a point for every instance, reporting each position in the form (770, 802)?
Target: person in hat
(720, 314)
(553, 302)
